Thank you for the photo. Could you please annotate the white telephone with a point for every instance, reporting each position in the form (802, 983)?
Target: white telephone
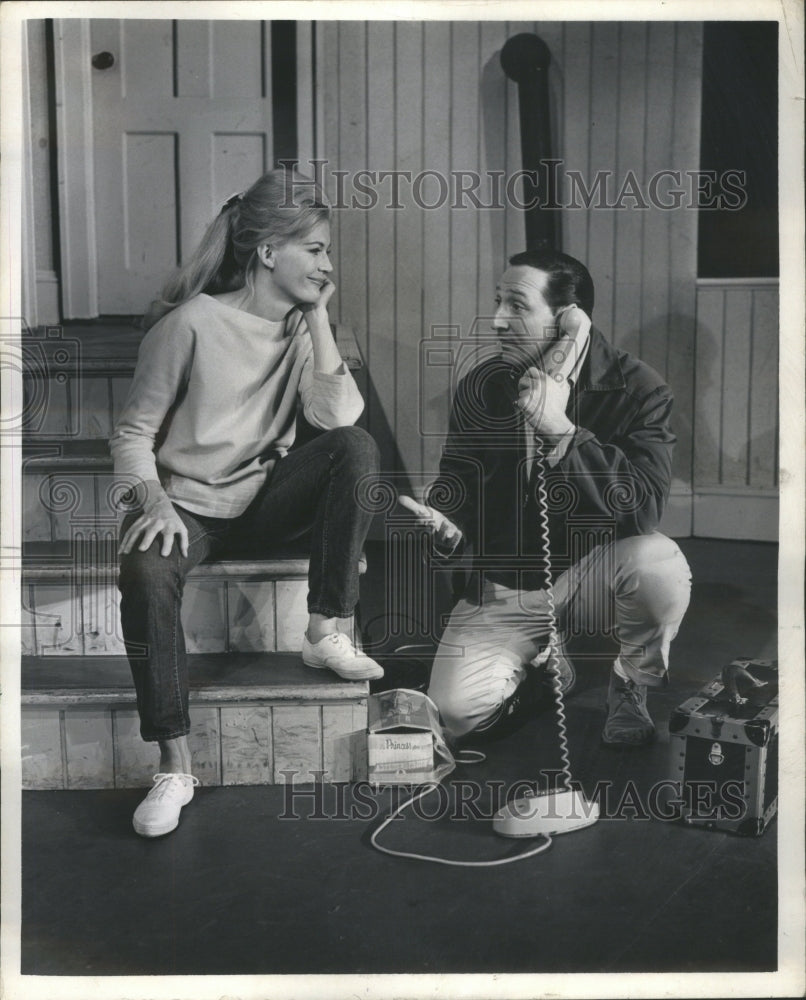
(567, 351)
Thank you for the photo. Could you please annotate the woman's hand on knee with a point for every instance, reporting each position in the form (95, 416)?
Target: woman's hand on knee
(160, 519)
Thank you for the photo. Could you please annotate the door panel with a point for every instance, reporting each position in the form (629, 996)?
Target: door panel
(181, 120)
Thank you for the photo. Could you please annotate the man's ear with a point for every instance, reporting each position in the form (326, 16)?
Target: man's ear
(266, 255)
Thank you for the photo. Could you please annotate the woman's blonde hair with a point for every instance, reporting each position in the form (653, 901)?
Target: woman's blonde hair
(279, 206)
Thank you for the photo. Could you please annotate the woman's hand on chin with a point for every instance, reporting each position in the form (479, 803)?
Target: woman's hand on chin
(317, 310)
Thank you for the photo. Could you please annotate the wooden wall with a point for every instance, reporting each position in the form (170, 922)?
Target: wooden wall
(417, 96)
(735, 471)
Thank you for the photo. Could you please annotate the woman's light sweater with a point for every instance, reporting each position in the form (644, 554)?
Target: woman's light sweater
(213, 403)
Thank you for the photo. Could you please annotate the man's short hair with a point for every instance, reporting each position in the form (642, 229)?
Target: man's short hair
(568, 279)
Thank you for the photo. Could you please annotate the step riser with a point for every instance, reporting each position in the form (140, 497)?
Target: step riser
(81, 406)
(233, 615)
(232, 744)
(56, 505)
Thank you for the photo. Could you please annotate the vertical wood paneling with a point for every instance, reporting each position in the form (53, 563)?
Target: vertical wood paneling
(351, 223)
(329, 146)
(605, 54)
(491, 158)
(736, 412)
(514, 227)
(626, 99)
(465, 156)
(407, 258)
(708, 406)
(382, 239)
(628, 250)
(735, 385)
(655, 304)
(575, 151)
(679, 367)
(435, 383)
(763, 390)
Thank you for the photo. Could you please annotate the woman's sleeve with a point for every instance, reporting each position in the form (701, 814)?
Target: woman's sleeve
(163, 362)
(328, 400)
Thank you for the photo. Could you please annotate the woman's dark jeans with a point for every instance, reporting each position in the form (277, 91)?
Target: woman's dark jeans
(312, 491)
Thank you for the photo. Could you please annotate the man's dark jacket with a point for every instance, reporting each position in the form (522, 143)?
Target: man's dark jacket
(612, 482)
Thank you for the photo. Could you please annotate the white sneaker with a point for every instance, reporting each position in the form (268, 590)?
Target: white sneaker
(338, 654)
(158, 813)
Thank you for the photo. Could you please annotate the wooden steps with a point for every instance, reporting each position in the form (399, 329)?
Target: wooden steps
(256, 710)
(256, 718)
(71, 608)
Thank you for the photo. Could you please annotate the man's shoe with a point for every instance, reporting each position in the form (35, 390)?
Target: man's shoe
(561, 664)
(628, 721)
(159, 811)
(335, 652)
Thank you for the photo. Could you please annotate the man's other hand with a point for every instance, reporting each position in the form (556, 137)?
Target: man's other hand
(444, 531)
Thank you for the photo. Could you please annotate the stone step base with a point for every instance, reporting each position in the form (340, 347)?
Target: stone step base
(256, 719)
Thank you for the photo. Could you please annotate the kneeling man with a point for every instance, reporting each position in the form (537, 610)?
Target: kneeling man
(556, 469)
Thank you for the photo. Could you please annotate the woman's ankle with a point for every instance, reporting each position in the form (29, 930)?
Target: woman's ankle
(175, 756)
(319, 627)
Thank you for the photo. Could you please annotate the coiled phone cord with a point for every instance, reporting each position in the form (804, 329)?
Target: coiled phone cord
(553, 659)
(475, 756)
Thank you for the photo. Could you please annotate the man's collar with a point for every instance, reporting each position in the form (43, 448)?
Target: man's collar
(601, 370)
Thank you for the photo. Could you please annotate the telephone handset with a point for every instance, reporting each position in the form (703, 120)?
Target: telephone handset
(559, 359)
(563, 356)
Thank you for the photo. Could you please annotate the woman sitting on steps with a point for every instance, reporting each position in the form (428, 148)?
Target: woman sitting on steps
(240, 334)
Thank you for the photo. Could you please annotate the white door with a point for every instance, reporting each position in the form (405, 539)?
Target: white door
(159, 121)
(182, 118)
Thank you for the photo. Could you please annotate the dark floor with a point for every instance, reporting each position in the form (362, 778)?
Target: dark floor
(237, 889)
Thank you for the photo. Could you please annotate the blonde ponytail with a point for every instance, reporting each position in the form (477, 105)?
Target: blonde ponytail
(276, 208)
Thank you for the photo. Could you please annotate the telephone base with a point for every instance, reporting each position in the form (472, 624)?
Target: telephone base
(545, 815)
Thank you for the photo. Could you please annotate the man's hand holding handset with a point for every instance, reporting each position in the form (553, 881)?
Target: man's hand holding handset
(543, 391)
(543, 398)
